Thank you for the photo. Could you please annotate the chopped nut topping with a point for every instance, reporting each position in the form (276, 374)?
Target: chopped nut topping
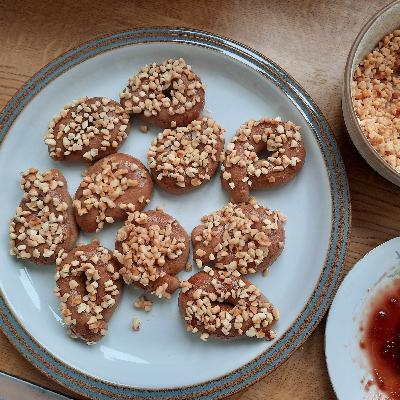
(242, 167)
(87, 285)
(102, 188)
(146, 245)
(83, 123)
(188, 267)
(376, 98)
(242, 237)
(144, 128)
(170, 87)
(144, 304)
(189, 155)
(185, 285)
(136, 324)
(222, 303)
(41, 224)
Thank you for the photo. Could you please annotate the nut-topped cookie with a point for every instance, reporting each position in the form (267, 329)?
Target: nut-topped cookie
(225, 304)
(243, 170)
(166, 94)
(87, 129)
(184, 158)
(89, 287)
(111, 187)
(44, 222)
(245, 237)
(152, 248)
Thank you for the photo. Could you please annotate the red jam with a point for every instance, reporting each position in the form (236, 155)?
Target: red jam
(381, 340)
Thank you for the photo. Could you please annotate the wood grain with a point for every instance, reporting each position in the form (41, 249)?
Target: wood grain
(310, 39)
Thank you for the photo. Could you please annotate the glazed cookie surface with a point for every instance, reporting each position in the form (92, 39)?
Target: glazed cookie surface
(184, 158)
(167, 94)
(243, 170)
(225, 304)
(111, 187)
(89, 287)
(152, 248)
(44, 222)
(245, 237)
(87, 129)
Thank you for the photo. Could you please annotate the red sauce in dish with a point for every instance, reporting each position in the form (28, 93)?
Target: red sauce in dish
(381, 340)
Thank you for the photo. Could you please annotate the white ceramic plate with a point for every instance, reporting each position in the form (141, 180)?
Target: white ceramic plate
(162, 360)
(348, 364)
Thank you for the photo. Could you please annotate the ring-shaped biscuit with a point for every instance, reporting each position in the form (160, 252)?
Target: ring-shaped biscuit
(166, 94)
(244, 237)
(87, 129)
(242, 169)
(184, 158)
(44, 222)
(152, 248)
(111, 187)
(225, 304)
(89, 287)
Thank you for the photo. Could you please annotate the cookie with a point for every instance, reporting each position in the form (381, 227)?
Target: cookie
(184, 158)
(152, 248)
(243, 170)
(44, 222)
(224, 304)
(111, 187)
(87, 130)
(245, 237)
(167, 95)
(89, 287)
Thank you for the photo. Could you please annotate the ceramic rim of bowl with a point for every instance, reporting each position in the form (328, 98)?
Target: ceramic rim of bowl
(367, 151)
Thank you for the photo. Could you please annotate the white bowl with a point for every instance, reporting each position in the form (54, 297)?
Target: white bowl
(385, 21)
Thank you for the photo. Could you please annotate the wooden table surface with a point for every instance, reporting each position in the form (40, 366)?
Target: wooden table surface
(310, 39)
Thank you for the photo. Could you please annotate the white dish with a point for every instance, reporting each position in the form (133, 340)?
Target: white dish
(162, 359)
(348, 364)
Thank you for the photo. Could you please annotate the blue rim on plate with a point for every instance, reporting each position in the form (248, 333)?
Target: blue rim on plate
(332, 271)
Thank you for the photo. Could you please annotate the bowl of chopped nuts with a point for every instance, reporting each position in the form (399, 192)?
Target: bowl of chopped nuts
(371, 92)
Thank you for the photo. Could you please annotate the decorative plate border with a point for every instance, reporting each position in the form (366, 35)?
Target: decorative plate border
(332, 271)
